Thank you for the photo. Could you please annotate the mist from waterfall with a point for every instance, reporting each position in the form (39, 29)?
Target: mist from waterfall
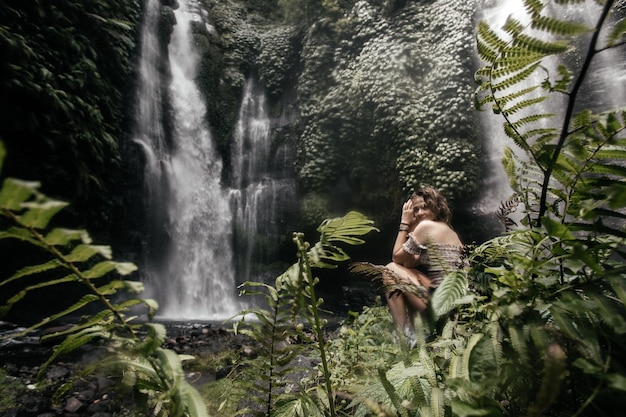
(194, 275)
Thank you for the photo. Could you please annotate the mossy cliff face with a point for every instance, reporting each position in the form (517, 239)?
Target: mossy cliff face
(382, 93)
(65, 74)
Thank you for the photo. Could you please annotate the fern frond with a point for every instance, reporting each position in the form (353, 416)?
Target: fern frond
(485, 52)
(39, 214)
(451, 291)
(502, 101)
(63, 237)
(540, 46)
(429, 368)
(366, 269)
(391, 392)
(582, 119)
(611, 152)
(506, 209)
(23, 292)
(467, 354)
(516, 78)
(155, 336)
(437, 402)
(617, 171)
(558, 27)
(102, 318)
(617, 33)
(492, 44)
(193, 403)
(540, 138)
(33, 269)
(513, 26)
(15, 192)
(100, 269)
(513, 60)
(533, 7)
(150, 304)
(21, 234)
(73, 342)
(522, 105)
(517, 338)
(83, 252)
(554, 372)
(346, 229)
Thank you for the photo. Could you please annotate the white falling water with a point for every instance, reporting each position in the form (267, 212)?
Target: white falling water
(262, 184)
(196, 278)
(149, 133)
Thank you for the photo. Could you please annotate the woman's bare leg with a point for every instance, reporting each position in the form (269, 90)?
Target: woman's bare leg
(397, 308)
(397, 301)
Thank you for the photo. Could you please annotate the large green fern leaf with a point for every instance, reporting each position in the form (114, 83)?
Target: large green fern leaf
(450, 293)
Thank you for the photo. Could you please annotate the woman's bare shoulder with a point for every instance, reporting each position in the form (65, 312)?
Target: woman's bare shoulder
(426, 225)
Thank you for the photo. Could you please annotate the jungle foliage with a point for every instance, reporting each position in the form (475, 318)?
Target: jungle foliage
(378, 94)
(64, 73)
(292, 324)
(126, 348)
(537, 325)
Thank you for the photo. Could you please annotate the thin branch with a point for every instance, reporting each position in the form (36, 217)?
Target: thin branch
(570, 109)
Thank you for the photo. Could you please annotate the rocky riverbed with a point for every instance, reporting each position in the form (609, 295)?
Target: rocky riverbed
(94, 396)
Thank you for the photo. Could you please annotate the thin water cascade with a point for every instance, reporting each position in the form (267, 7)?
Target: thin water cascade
(194, 276)
(263, 185)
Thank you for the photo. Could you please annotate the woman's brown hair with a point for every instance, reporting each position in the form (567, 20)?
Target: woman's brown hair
(436, 202)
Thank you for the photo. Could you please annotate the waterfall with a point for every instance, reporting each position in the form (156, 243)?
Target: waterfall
(263, 185)
(192, 277)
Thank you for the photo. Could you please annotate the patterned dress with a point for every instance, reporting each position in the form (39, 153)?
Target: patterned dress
(438, 259)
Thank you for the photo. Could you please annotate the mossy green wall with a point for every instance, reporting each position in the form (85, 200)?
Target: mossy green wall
(383, 94)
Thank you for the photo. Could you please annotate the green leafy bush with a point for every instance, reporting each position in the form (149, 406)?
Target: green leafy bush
(541, 329)
(292, 327)
(129, 348)
(64, 74)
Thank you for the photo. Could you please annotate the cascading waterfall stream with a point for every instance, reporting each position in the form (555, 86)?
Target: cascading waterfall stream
(195, 280)
(262, 184)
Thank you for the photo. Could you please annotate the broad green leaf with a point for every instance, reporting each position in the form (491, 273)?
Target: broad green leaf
(154, 338)
(82, 253)
(125, 268)
(15, 192)
(194, 404)
(33, 269)
(99, 319)
(134, 286)
(100, 269)
(22, 234)
(62, 237)
(38, 215)
(73, 342)
(557, 229)
(616, 381)
(50, 283)
(452, 288)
